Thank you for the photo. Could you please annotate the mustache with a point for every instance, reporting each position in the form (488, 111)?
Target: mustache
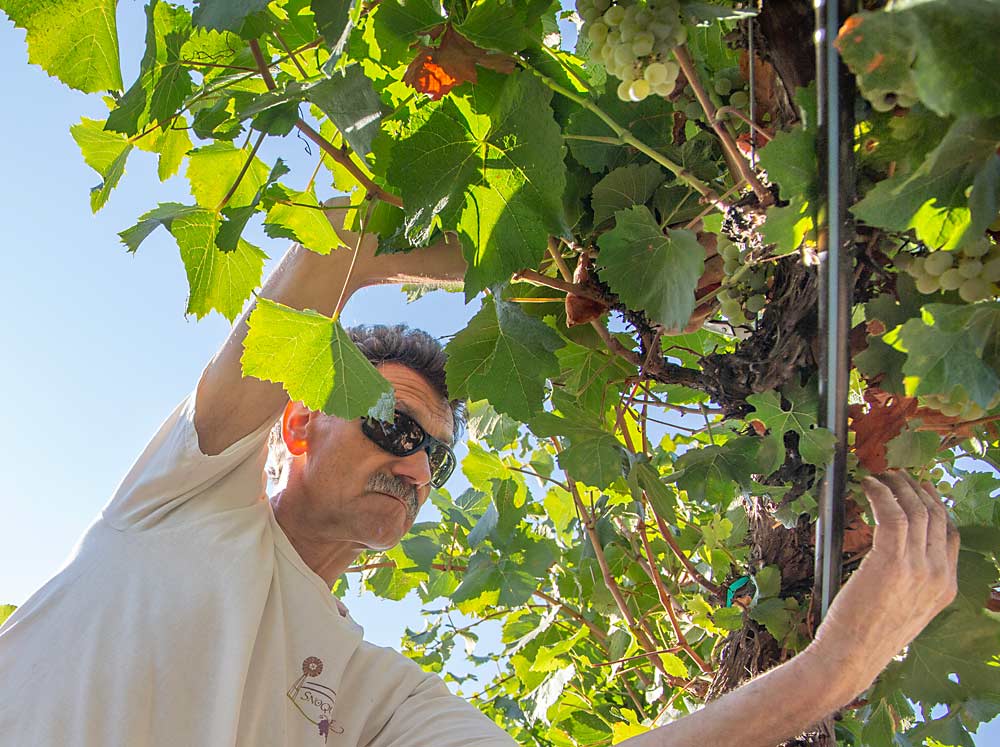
(381, 482)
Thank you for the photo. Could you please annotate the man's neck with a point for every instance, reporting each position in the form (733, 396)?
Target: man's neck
(328, 559)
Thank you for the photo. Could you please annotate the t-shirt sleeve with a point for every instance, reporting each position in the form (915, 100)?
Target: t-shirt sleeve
(173, 481)
(433, 715)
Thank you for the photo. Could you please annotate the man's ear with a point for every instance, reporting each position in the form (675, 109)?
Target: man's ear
(294, 422)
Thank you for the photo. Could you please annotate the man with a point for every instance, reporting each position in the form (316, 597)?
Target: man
(196, 612)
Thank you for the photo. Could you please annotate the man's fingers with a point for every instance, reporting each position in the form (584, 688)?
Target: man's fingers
(890, 532)
(916, 510)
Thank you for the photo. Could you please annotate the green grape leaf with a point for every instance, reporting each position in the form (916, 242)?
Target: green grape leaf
(498, 24)
(213, 170)
(912, 449)
(787, 226)
(488, 166)
(952, 350)
(226, 15)
(503, 356)
(235, 218)
(624, 187)
(777, 615)
(954, 194)
(349, 100)
(650, 270)
(815, 443)
(333, 21)
(74, 40)
(313, 358)
(790, 161)
(161, 215)
(715, 473)
(105, 152)
(593, 456)
(486, 424)
(768, 581)
(164, 80)
(878, 730)
(218, 280)
(591, 377)
(976, 500)
(172, 145)
(643, 478)
(298, 217)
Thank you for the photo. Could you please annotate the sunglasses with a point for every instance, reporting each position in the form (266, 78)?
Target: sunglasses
(405, 436)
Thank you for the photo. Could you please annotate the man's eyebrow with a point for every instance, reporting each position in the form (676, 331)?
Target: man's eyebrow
(406, 409)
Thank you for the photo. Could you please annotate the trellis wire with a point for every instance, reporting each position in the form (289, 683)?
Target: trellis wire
(834, 145)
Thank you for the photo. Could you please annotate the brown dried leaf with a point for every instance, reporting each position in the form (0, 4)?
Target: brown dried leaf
(435, 70)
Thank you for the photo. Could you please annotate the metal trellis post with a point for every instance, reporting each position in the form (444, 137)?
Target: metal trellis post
(835, 155)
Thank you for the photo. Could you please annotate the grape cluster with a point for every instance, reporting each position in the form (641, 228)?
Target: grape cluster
(973, 271)
(633, 40)
(745, 297)
(728, 84)
(957, 406)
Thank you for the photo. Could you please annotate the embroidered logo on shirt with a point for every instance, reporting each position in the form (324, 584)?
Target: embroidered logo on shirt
(313, 700)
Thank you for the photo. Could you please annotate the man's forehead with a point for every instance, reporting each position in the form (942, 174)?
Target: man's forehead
(420, 401)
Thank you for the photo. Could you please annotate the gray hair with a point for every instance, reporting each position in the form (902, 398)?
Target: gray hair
(380, 344)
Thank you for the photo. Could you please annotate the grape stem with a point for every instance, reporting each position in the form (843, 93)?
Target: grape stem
(732, 111)
(624, 137)
(733, 154)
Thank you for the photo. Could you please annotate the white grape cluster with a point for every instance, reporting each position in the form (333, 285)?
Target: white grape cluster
(973, 271)
(746, 297)
(960, 407)
(633, 39)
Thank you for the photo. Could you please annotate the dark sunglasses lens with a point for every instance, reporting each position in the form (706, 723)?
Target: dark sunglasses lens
(442, 462)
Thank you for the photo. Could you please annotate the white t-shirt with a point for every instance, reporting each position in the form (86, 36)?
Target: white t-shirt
(185, 618)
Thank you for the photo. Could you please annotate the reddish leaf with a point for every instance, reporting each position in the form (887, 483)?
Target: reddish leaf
(877, 423)
(857, 533)
(580, 310)
(437, 69)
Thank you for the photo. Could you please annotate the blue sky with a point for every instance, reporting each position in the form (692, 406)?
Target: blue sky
(96, 347)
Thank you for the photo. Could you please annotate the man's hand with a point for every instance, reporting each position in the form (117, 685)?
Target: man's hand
(907, 578)
(229, 406)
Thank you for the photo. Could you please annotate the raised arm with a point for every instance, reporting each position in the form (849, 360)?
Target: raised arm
(229, 406)
(871, 620)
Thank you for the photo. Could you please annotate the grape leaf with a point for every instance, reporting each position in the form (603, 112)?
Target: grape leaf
(349, 100)
(172, 144)
(815, 443)
(488, 166)
(487, 425)
(790, 161)
(213, 169)
(624, 187)
(503, 356)
(776, 615)
(105, 152)
(503, 25)
(788, 225)
(218, 280)
(912, 449)
(225, 15)
(235, 218)
(935, 200)
(74, 40)
(713, 473)
(650, 270)
(333, 21)
(952, 350)
(298, 217)
(313, 358)
(593, 456)
(164, 81)
(161, 215)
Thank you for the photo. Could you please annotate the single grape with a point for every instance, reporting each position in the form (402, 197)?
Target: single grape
(927, 284)
(938, 262)
(991, 270)
(614, 15)
(673, 70)
(951, 409)
(663, 89)
(903, 260)
(722, 86)
(916, 268)
(623, 90)
(655, 73)
(692, 110)
(977, 248)
(951, 279)
(973, 411)
(642, 44)
(597, 32)
(756, 303)
(975, 289)
(739, 99)
(602, 5)
(623, 55)
(881, 101)
(639, 89)
(970, 268)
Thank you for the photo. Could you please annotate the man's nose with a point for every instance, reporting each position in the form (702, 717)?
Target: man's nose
(415, 468)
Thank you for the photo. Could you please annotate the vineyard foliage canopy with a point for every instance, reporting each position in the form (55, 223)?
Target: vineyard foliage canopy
(644, 450)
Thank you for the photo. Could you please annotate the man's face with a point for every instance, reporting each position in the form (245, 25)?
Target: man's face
(349, 489)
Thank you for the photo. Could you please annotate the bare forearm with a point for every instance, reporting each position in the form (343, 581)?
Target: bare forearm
(762, 713)
(228, 405)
